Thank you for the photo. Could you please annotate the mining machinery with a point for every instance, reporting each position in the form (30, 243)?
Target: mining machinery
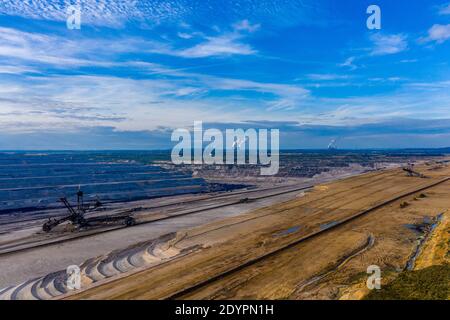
(77, 215)
(409, 169)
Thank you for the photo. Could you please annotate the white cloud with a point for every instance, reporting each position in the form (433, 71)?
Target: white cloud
(7, 88)
(239, 84)
(408, 60)
(20, 47)
(430, 85)
(245, 25)
(187, 91)
(28, 47)
(224, 45)
(25, 52)
(185, 13)
(438, 33)
(411, 101)
(111, 13)
(349, 63)
(388, 79)
(12, 69)
(284, 96)
(63, 102)
(388, 44)
(184, 35)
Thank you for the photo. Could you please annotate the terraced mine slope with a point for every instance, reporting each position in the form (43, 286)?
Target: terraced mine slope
(316, 246)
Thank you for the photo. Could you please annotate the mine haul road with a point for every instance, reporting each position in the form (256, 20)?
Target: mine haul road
(291, 250)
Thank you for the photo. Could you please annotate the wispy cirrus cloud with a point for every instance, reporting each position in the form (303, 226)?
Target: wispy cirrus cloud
(30, 47)
(225, 44)
(245, 25)
(349, 63)
(20, 48)
(25, 52)
(133, 104)
(184, 35)
(14, 69)
(388, 44)
(327, 76)
(240, 84)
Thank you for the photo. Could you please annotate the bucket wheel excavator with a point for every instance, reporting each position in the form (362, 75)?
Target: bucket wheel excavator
(410, 172)
(77, 215)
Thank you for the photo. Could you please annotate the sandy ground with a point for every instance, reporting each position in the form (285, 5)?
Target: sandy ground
(330, 265)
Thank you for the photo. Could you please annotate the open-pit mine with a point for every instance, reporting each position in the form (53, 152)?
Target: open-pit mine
(309, 240)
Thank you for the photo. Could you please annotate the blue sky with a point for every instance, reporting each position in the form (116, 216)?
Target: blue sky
(138, 69)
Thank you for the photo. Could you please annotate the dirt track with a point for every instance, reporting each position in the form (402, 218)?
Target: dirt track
(231, 243)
